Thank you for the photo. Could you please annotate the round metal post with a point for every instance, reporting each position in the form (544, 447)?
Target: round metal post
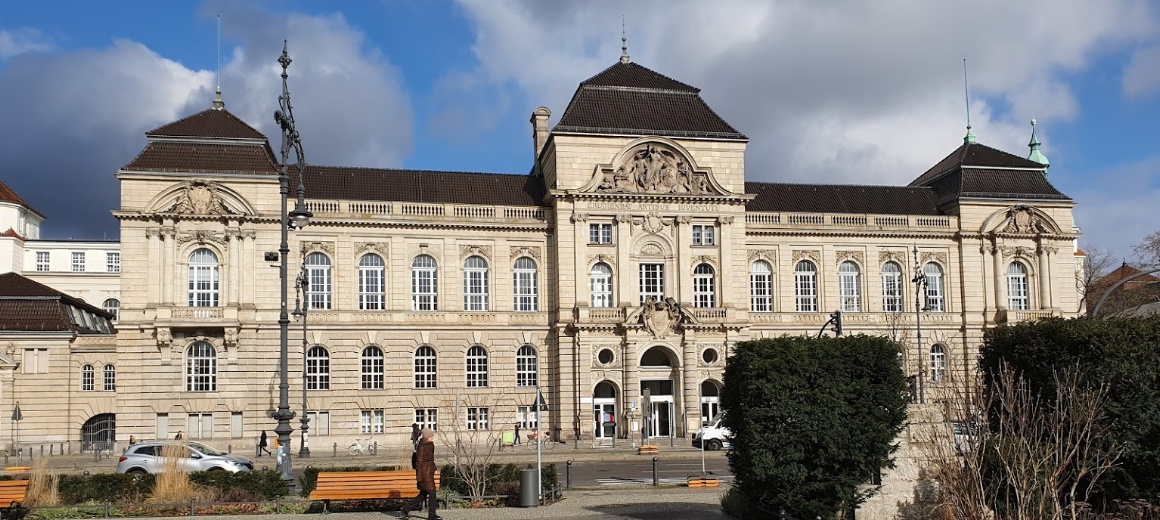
(656, 478)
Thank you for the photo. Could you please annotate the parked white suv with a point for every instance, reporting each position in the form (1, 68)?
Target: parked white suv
(146, 457)
(713, 435)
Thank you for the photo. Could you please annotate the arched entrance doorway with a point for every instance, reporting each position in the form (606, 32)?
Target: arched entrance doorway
(604, 410)
(657, 372)
(99, 432)
(710, 404)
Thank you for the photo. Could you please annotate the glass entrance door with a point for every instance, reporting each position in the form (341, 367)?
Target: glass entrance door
(604, 417)
(662, 418)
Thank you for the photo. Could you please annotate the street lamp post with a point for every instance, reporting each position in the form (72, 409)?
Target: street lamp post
(297, 219)
(301, 285)
(920, 284)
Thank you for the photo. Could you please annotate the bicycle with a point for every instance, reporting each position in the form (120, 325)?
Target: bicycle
(358, 448)
(536, 438)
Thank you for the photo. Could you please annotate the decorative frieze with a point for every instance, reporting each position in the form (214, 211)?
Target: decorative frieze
(318, 247)
(898, 257)
(529, 251)
(608, 259)
(380, 248)
(938, 257)
(857, 256)
(769, 255)
(200, 236)
(703, 259)
(799, 255)
(579, 217)
(466, 251)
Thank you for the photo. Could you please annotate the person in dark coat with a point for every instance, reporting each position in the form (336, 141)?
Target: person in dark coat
(425, 477)
(416, 431)
(262, 443)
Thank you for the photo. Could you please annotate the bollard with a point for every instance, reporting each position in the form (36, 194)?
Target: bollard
(656, 481)
(51, 447)
(192, 507)
(335, 454)
(107, 506)
(96, 454)
(41, 450)
(257, 451)
(5, 457)
(568, 475)
(375, 448)
(230, 449)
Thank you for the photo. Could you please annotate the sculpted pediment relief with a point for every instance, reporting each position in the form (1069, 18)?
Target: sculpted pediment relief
(200, 197)
(653, 168)
(1021, 220)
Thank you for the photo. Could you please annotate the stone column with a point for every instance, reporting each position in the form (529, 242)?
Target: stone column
(988, 291)
(1044, 277)
(169, 235)
(682, 283)
(1000, 285)
(690, 395)
(235, 281)
(631, 389)
(623, 277)
(725, 275)
(579, 248)
(153, 282)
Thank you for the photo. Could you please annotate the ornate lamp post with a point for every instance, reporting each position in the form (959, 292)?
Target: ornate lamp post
(297, 219)
(301, 286)
(920, 284)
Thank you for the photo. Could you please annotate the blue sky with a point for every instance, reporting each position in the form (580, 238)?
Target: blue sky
(832, 92)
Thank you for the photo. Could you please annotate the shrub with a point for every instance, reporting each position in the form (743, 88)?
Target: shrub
(105, 487)
(262, 485)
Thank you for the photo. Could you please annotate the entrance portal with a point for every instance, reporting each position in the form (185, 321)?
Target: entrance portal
(660, 422)
(604, 410)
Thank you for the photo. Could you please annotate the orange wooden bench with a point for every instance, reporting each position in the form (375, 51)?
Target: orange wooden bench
(365, 485)
(11, 497)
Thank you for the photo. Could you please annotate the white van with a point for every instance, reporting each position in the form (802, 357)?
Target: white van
(713, 435)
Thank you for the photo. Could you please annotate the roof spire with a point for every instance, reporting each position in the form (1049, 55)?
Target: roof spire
(970, 137)
(218, 104)
(623, 42)
(1035, 154)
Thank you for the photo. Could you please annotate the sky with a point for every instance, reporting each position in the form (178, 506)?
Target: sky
(843, 91)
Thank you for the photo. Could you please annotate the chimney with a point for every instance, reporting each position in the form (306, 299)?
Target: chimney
(539, 122)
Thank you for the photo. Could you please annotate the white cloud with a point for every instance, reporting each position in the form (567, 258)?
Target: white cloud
(1142, 74)
(14, 42)
(1118, 205)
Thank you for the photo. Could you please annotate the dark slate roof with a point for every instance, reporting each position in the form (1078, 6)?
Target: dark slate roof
(838, 198)
(976, 170)
(424, 186)
(7, 195)
(210, 124)
(27, 305)
(627, 98)
(200, 157)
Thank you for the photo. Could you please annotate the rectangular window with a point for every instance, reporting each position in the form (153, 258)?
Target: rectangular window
(78, 262)
(35, 361)
(161, 431)
(427, 417)
(199, 426)
(599, 233)
(236, 430)
(526, 417)
(42, 261)
(652, 282)
(113, 262)
(703, 234)
(476, 418)
(319, 423)
(372, 421)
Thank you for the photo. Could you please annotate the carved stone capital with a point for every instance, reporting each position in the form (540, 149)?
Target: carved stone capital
(623, 217)
(579, 217)
(164, 337)
(230, 338)
(726, 220)
(684, 219)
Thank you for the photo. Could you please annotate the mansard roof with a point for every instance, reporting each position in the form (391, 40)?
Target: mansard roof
(627, 98)
(210, 123)
(422, 186)
(976, 170)
(27, 305)
(841, 198)
(8, 195)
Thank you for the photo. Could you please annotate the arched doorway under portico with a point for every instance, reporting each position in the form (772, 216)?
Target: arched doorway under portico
(659, 372)
(604, 411)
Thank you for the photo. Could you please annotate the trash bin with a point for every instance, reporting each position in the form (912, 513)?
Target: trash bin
(529, 488)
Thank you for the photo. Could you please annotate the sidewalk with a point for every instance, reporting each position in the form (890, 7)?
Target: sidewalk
(560, 453)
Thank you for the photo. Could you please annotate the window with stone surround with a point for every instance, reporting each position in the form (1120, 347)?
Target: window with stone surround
(318, 292)
(110, 378)
(317, 368)
(524, 285)
(201, 368)
(600, 279)
(372, 287)
(526, 366)
(476, 367)
(934, 287)
(425, 367)
(475, 284)
(600, 233)
(805, 287)
(938, 363)
(849, 287)
(371, 421)
(203, 278)
(112, 306)
(372, 368)
(891, 287)
(704, 286)
(760, 287)
(704, 235)
(477, 418)
(87, 378)
(1017, 293)
(652, 282)
(424, 284)
(427, 418)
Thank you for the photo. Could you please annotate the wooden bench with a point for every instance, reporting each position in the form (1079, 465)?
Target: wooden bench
(365, 485)
(11, 497)
(703, 482)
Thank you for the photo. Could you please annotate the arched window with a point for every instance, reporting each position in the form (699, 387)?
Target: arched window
(372, 368)
(526, 366)
(805, 287)
(110, 378)
(938, 363)
(203, 278)
(704, 286)
(201, 368)
(600, 280)
(891, 287)
(475, 290)
(372, 285)
(318, 272)
(113, 306)
(524, 285)
(476, 367)
(425, 367)
(850, 287)
(317, 368)
(1017, 297)
(760, 286)
(424, 284)
(934, 287)
(87, 376)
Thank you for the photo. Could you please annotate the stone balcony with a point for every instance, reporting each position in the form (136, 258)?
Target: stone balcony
(853, 318)
(845, 220)
(189, 317)
(1019, 316)
(410, 211)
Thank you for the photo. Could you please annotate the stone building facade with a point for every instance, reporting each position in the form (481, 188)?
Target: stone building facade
(632, 256)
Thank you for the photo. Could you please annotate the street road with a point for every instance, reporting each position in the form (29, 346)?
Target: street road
(639, 471)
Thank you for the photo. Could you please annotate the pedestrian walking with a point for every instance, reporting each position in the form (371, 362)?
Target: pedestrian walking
(180, 435)
(424, 477)
(132, 440)
(517, 441)
(262, 443)
(416, 432)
